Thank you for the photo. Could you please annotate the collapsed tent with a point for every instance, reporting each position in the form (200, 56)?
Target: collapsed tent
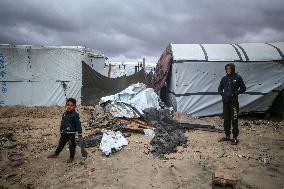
(47, 75)
(190, 75)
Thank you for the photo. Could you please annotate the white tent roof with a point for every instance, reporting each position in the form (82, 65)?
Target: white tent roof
(228, 52)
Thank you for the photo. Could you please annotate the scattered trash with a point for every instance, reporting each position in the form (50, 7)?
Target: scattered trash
(126, 134)
(252, 129)
(246, 124)
(112, 141)
(132, 124)
(15, 158)
(8, 141)
(83, 151)
(8, 175)
(29, 186)
(249, 128)
(91, 140)
(222, 155)
(243, 156)
(265, 158)
(92, 169)
(149, 132)
(278, 126)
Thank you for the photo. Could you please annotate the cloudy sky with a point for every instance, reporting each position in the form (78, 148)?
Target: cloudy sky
(127, 30)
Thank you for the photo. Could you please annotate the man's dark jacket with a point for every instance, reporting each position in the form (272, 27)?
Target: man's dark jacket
(70, 122)
(231, 86)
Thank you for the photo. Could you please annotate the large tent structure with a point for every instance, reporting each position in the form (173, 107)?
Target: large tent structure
(43, 75)
(47, 75)
(191, 74)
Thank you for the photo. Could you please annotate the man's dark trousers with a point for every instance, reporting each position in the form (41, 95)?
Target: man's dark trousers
(64, 138)
(230, 113)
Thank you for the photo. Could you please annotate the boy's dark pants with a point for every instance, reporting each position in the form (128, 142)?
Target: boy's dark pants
(230, 113)
(64, 138)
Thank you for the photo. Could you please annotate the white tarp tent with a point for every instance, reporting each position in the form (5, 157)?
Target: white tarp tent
(43, 75)
(196, 70)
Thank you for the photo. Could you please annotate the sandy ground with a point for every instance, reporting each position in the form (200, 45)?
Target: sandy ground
(257, 162)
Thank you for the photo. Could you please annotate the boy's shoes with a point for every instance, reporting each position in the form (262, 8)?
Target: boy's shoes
(234, 141)
(52, 156)
(70, 160)
(224, 139)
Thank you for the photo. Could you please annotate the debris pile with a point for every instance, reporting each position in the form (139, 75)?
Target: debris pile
(137, 109)
(167, 136)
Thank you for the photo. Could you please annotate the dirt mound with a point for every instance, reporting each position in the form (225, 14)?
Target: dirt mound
(33, 112)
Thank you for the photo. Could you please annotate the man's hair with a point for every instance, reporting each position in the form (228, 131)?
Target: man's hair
(71, 100)
(232, 66)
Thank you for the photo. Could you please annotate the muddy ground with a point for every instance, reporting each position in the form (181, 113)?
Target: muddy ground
(257, 162)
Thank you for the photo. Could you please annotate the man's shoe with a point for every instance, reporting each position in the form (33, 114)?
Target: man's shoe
(224, 139)
(234, 142)
(52, 156)
(70, 160)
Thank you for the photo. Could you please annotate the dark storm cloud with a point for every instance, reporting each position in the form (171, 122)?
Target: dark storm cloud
(136, 29)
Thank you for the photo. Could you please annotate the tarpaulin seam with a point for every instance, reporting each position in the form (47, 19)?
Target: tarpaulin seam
(213, 93)
(204, 51)
(243, 50)
(238, 52)
(279, 51)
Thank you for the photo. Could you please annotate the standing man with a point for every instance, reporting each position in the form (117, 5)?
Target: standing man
(230, 87)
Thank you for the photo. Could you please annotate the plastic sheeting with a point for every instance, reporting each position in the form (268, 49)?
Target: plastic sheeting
(149, 132)
(136, 96)
(95, 86)
(112, 141)
(41, 76)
